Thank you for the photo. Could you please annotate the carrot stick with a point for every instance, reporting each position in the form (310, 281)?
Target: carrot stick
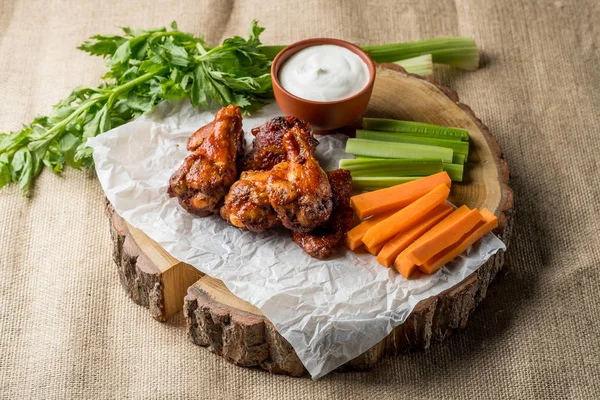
(354, 236)
(404, 262)
(376, 249)
(406, 217)
(487, 224)
(404, 266)
(443, 235)
(402, 240)
(396, 197)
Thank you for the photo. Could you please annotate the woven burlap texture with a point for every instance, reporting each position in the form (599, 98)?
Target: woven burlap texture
(68, 330)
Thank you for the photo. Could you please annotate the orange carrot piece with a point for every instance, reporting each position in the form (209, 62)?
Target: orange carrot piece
(404, 266)
(450, 219)
(404, 261)
(487, 224)
(445, 234)
(396, 197)
(354, 236)
(406, 217)
(402, 240)
(376, 249)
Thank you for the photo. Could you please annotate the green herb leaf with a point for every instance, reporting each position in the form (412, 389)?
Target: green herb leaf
(100, 45)
(198, 94)
(122, 54)
(5, 177)
(18, 161)
(177, 54)
(68, 142)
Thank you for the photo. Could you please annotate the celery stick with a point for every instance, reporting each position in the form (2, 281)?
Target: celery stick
(377, 182)
(459, 51)
(415, 129)
(421, 65)
(458, 146)
(455, 171)
(362, 160)
(392, 167)
(376, 148)
(458, 158)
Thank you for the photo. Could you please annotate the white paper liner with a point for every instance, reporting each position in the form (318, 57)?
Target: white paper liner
(329, 311)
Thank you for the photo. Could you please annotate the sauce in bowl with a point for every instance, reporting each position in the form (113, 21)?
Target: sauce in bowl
(324, 73)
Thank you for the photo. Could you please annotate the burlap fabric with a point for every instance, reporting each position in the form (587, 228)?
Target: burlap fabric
(68, 330)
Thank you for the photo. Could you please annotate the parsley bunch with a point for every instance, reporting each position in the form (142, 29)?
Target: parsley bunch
(146, 67)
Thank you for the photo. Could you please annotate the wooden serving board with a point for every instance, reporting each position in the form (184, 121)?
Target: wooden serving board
(237, 331)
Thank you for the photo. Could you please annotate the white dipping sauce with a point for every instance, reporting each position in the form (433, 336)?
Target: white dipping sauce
(324, 73)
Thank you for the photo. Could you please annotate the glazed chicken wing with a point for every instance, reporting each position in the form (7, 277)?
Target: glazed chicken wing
(324, 240)
(298, 188)
(267, 147)
(198, 137)
(204, 178)
(247, 204)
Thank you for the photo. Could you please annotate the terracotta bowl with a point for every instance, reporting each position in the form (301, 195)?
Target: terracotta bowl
(326, 115)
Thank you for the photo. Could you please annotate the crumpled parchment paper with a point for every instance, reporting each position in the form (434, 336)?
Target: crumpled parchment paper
(329, 311)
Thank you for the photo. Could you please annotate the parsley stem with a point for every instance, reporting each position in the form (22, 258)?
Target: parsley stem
(131, 84)
(53, 132)
(11, 150)
(205, 55)
(110, 96)
(171, 33)
(116, 92)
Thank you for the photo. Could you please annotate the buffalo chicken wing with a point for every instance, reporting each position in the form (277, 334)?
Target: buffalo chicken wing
(247, 204)
(267, 147)
(204, 178)
(324, 240)
(298, 188)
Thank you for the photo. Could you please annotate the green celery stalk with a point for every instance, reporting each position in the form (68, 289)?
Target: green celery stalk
(421, 65)
(458, 158)
(369, 183)
(455, 171)
(392, 167)
(363, 160)
(374, 148)
(458, 146)
(458, 51)
(412, 128)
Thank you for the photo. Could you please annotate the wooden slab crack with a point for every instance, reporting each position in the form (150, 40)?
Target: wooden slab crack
(238, 331)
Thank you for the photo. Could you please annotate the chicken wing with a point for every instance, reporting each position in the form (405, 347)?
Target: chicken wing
(298, 188)
(198, 137)
(247, 204)
(267, 148)
(204, 178)
(324, 240)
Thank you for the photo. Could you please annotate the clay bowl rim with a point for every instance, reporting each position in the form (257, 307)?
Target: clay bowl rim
(293, 48)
